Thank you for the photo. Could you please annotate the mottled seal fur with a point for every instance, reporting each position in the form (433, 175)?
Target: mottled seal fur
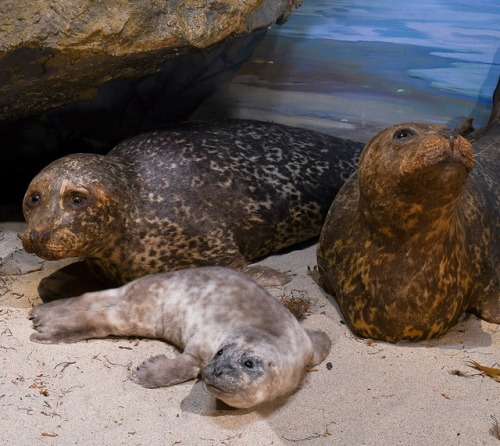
(198, 194)
(248, 348)
(411, 241)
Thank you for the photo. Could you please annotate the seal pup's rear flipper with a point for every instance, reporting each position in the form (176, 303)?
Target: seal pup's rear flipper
(322, 345)
(160, 371)
(267, 277)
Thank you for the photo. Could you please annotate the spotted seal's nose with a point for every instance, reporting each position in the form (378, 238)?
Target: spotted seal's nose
(33, 240)
(39, 236)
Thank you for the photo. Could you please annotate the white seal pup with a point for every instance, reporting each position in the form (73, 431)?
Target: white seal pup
(248, 348)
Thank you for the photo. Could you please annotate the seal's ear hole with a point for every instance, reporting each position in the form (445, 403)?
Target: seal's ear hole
(403, 133)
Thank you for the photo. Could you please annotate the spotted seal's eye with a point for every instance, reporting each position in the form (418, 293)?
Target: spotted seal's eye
(34, 198)
(220, 352)
(403, 133)
(249, 364)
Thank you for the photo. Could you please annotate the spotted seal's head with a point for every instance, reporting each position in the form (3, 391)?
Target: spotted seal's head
(70, 204)
(409, 169)
(250, 370)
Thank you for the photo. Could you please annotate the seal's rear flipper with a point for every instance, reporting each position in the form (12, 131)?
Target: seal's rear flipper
(160, 371)
(266, 277)
(322, 345)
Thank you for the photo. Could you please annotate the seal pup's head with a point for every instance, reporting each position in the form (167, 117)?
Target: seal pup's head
(249, 370)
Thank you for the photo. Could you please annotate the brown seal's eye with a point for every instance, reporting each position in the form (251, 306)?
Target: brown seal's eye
(34, 198)
(403, 133)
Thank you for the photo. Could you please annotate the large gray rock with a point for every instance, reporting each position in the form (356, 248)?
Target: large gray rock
(61, 51)
(82, 75)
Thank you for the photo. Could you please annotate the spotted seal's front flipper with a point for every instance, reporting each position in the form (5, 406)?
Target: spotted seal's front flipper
(160, 371)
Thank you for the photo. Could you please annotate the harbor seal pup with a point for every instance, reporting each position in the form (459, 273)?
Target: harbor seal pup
(248, 348)
(411, 241)
(200, 193)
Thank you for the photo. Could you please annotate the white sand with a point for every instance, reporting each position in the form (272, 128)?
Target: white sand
(375, 393)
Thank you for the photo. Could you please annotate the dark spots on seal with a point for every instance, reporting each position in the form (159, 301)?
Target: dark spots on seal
(220, 193)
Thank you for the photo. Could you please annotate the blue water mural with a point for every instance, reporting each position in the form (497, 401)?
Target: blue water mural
(353, 67)
(467, 33)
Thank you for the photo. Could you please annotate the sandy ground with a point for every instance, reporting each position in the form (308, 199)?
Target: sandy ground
(364, 393)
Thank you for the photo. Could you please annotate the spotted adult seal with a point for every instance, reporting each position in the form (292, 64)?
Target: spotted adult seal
(248, 347)
(411, 241)
(198, 194)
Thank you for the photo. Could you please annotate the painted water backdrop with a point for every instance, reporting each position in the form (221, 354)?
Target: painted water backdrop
(353, 67)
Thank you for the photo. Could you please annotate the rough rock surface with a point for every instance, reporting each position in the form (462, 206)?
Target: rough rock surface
(82, 75)
(52, 53)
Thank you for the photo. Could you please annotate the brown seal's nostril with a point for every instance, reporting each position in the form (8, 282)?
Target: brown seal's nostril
(446, 132)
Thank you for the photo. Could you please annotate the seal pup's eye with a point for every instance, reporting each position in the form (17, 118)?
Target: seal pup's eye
(220, 352)
(249, 364)
(403, 133)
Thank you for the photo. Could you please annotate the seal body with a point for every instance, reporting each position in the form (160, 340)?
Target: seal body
(198, 194)
(411, 241)
(248, 348)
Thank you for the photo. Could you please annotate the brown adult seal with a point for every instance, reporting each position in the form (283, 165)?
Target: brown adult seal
(411, 241)
(202, 193)
(248, 348)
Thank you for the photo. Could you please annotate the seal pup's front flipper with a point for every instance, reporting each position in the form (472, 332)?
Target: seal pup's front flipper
(160, 371)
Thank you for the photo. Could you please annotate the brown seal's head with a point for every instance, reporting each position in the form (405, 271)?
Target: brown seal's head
(412, 169)
(71, 204)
